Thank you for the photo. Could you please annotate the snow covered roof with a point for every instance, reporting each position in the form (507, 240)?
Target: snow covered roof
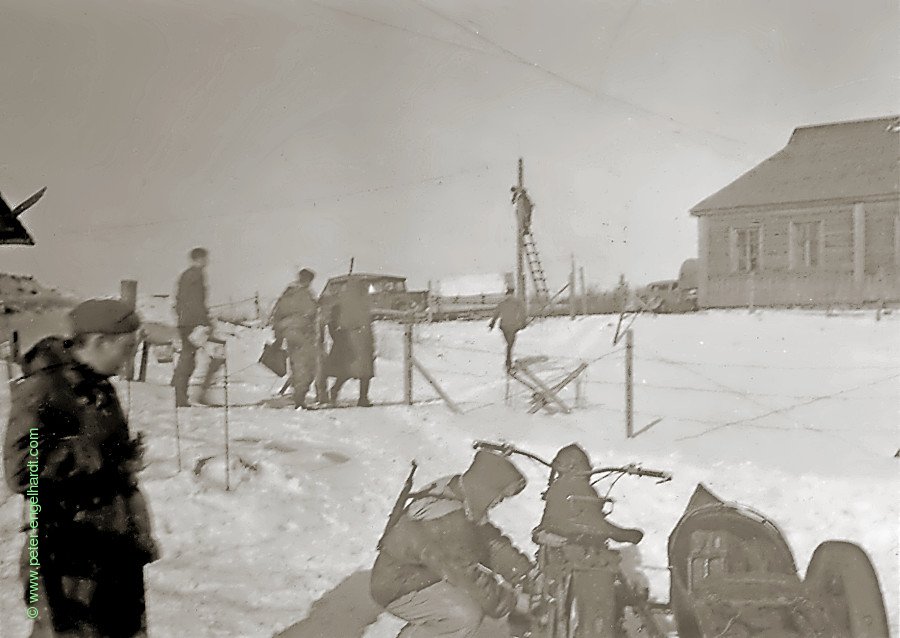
(852, 161)
(472, 284)
(367, 276)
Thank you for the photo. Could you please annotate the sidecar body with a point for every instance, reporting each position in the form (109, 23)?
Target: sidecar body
(733, 576)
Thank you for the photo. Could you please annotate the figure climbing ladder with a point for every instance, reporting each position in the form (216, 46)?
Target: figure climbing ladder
(527, 249)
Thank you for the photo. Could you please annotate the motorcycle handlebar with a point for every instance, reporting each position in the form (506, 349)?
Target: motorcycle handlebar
(508, 449)
(635, 470)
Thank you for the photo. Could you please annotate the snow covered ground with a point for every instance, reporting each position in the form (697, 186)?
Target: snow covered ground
(793, 413)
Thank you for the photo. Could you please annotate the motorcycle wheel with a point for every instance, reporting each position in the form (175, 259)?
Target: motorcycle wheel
(840, 576)
(587, 593)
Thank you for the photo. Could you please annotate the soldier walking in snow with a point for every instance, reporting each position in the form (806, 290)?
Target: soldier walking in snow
(192, 312)
(442, 565)
(513, 317)
(69, 451)
(294, 321)
(352, 353)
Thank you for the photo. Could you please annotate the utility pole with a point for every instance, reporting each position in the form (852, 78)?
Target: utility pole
(572, 292)
(520, 237)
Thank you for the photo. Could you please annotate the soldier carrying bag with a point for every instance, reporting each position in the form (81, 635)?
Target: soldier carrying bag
(274, 358)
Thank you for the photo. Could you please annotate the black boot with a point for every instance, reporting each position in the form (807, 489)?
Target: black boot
(364, 394)
(300, 399)
(335, 391)
(214, 366)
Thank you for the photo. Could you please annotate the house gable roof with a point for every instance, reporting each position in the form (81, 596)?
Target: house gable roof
(857, 160)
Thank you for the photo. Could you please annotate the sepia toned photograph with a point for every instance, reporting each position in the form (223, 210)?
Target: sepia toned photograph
(450, 319)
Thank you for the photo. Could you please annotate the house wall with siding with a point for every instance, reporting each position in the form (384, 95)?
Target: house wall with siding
(775, 283)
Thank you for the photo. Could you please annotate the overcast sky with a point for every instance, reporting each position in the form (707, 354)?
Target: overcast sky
(282, 134)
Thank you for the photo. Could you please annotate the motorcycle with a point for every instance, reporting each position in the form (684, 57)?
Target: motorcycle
(732, 572)
(582, 590)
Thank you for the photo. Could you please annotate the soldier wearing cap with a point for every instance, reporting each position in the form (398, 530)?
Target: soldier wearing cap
(69, 451)
(192, 313)
(294, 321)
(513, 317)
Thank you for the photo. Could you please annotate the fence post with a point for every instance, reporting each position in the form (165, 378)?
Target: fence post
(128, 296)
(145, 354)
(256, 303)
(579, 391)
(584, 309)
(227, 446)
(177, 436)
(407, 361)
(437, 388)
(629, 383)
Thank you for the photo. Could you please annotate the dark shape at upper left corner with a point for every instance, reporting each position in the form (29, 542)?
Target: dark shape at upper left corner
(11, 229)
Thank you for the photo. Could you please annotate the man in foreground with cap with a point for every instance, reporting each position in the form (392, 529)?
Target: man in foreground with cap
(443, 566)
(69, 451)
(294, 321)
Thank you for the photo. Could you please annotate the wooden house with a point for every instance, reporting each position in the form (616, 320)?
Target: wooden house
(818, 223)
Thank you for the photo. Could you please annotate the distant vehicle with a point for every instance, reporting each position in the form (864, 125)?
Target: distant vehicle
(387, 293)
(689, 280)
(668, 296)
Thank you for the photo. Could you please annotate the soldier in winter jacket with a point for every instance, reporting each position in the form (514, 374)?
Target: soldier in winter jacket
(581, 517)
(443, 566)
(191, 309)
(352, 353)
(513, 317)
(575, 528)
(69, 451)
(294, 321)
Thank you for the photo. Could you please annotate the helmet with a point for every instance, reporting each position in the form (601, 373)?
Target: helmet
(571, 459)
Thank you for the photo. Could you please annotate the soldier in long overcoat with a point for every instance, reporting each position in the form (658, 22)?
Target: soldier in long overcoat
(352, 354)
(69, 451)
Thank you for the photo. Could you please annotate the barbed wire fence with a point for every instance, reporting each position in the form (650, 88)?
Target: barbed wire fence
(457, 364)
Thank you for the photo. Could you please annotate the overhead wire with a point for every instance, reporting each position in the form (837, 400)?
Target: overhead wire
(601, 95)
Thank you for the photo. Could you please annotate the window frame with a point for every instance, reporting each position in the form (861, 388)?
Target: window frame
(737, 255)
(802, 256)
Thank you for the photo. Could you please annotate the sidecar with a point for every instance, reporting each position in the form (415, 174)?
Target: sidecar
(733, 576)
